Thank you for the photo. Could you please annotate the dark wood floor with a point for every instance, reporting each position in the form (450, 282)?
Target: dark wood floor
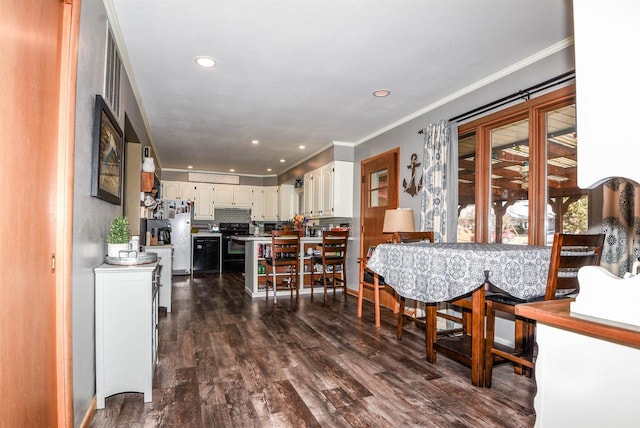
(229, 361)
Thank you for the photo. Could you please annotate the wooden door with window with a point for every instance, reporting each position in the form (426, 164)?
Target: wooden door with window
(378, 193)
(39, 56)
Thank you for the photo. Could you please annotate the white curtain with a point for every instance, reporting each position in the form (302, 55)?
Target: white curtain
(438, 210)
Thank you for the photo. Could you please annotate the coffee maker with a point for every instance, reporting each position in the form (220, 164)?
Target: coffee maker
(160, 232)
(164, 236)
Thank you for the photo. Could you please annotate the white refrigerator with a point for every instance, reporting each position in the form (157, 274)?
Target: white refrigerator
(179, 215)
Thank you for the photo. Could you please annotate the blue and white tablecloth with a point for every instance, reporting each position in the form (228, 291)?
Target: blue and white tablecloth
(440, 272)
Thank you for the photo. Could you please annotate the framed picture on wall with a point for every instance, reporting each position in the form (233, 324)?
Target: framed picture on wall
(108, 155)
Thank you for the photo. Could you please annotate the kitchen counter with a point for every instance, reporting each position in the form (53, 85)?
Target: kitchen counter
(267, 238)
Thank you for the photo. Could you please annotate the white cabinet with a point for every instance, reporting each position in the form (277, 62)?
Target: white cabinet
(328, 191)
(204, 202)
(126, 299)
(270, 203)
(256, 204)
(264, 203)
(232, 196)
(178, 190)
(287, 202)
(165, 253)
(308, 194)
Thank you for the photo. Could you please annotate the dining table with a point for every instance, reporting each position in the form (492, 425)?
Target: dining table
(443, 272)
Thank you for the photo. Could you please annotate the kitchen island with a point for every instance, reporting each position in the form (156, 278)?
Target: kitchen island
(255, 265)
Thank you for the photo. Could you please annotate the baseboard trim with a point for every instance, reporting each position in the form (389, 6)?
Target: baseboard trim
(91, 412)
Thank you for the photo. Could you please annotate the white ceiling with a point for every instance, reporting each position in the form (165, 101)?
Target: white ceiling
(303, 72)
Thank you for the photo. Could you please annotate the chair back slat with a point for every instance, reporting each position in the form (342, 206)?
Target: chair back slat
(414, 236)
(570, 252)
(334, 246)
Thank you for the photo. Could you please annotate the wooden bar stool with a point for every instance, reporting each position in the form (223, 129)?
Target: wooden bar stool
(332, 258)
(282, 265)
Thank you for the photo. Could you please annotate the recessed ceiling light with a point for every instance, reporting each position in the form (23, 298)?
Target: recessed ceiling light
(254, 142)
(301, 147)
(232, 170)
(190, 166)
(269, 169)
(205, 61)
(282, 160)
(381, 93)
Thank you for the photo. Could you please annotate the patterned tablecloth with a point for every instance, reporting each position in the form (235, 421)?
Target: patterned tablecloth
(440, 272)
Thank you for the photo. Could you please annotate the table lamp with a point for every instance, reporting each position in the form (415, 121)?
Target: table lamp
(398, 220)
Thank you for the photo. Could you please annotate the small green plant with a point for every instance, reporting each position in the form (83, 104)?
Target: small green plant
(119, 231)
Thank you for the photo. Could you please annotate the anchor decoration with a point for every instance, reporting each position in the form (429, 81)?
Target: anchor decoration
(412, 188)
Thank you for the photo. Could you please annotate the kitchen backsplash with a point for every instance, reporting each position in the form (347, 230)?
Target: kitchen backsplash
(225, 215)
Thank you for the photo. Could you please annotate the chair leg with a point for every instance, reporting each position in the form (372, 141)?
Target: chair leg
(275, 292)
(400, 325)
(490, 335)
(311, 278)
(376, 303)
(519, 339)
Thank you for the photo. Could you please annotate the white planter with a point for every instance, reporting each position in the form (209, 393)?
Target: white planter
(113, 250)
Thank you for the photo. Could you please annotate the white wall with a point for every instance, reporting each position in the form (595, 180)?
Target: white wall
(407, 138)
(91, 216)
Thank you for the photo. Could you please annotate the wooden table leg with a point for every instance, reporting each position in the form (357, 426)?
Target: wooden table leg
(431, 320)
(477, 337)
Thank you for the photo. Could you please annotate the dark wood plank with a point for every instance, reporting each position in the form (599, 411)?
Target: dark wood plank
(226, 360)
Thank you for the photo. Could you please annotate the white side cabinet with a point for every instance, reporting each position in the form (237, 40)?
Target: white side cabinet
(126, 329)
(165, 253)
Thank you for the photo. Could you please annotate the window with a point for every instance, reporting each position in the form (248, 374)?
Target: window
(517, 173)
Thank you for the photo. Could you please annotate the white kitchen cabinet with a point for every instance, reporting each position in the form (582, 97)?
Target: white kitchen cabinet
(165, 253)
(308, 194)
(270, 203)
(232, 196)
(178, 190)
(318, 193)
(256, 204)
(328, 191)
(287, 202)
(264, 203)
(126, 299)
(204, 202)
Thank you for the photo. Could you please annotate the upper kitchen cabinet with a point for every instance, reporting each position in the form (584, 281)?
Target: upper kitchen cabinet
(264, 203)
(203, 203)
(270, 203)
(287, 202)
(232, 196)
(178, 190)
(328, 191)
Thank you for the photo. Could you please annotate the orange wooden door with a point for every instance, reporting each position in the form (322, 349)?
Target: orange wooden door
(379, 192)
(38, 41)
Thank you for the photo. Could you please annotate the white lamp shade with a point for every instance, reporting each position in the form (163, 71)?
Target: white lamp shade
(399, 220)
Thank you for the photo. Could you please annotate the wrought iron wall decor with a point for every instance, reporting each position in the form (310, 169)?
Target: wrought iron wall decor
(412, 187)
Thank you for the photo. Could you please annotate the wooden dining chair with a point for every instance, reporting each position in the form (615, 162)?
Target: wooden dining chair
(370, 280)
(283, 262)
(568, 253)
(332, 259)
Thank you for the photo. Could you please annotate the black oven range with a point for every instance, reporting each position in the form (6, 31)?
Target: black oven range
(233, 251)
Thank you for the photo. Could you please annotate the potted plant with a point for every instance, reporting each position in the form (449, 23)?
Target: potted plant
(118, 237)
